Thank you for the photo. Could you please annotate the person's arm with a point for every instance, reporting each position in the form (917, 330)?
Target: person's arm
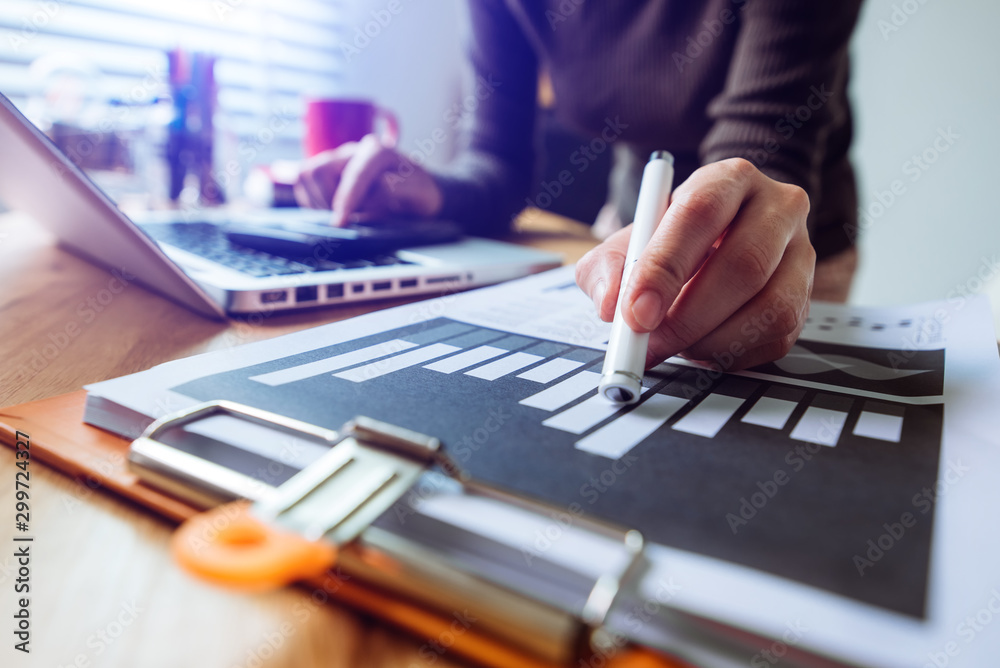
(728, 274)
(488, 182)
(784, 90)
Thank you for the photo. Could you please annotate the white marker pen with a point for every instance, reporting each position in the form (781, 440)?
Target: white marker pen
(625, 360)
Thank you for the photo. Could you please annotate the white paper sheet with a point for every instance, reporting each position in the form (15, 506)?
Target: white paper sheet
(962, 627)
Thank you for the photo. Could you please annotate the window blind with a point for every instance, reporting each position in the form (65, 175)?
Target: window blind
(269, 53)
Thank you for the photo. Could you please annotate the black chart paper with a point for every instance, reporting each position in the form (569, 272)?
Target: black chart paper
(681, 489)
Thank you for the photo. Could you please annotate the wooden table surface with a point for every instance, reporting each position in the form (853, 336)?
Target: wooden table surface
(104, 591)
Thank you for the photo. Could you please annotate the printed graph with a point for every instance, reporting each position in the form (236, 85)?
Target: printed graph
(679, 465)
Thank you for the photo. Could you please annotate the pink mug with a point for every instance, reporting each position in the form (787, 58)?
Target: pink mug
(330, 123)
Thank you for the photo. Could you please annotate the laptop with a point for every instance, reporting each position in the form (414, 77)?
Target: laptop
(191, 260)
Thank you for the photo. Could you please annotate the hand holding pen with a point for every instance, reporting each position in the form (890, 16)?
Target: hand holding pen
(725, 277)
(625, 361)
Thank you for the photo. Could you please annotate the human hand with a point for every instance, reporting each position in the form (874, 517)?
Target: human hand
(367, 177)
(726, 277)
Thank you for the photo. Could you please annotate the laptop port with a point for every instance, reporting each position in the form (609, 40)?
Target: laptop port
(381, 285)
(306, 293)
(358, 287)
(443, 279)
(408, 283)
(273, 296)
(334, 291)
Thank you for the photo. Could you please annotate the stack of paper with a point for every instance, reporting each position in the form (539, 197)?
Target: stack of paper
(829, 501)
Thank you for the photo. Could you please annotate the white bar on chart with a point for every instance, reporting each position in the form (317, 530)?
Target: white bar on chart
(504, 366)
(820, 425)
(382, 367)
(615, 439)
(465, 359)
(880, 426)
(548, 372)
(708, 417)
(331, 364)
(584, 415)
(770, 412)
(562, 393)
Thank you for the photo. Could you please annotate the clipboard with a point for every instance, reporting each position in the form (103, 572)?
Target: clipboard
(60, 439)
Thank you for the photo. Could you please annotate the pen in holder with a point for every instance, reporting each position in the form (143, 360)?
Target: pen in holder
(191, 134)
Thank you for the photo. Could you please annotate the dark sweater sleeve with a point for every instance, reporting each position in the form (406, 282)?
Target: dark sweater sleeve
(485, 187)
(784, 93)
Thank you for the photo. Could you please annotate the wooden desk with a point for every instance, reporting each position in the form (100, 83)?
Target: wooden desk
(104, 591)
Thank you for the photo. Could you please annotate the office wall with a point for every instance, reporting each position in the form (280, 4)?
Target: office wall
(927, 97)
(411, 62)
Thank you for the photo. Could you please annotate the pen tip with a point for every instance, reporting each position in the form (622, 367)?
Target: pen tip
(662, 155)
(619, 395)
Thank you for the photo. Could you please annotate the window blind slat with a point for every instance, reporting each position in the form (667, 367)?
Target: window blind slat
(269, 52)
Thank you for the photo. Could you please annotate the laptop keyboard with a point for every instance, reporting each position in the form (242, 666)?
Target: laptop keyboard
(208, 241)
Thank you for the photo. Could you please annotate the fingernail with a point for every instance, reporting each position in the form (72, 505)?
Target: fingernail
(646, 309)
(600, 290)
(337, 218)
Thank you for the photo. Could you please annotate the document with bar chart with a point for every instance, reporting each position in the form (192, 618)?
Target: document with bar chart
(821, 469)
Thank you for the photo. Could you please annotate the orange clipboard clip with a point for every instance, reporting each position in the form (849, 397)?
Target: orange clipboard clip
(312, 522)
